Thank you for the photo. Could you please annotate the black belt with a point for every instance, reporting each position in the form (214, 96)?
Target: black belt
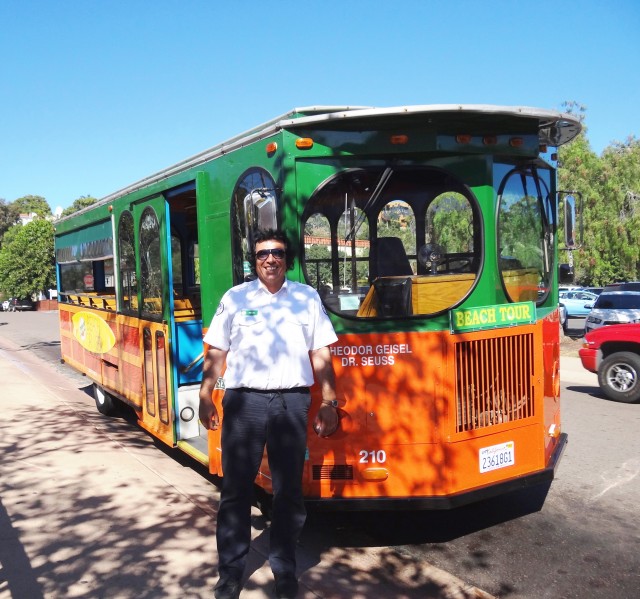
(270, 391)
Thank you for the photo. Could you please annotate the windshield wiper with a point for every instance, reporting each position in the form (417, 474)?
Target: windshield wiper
(384, 179)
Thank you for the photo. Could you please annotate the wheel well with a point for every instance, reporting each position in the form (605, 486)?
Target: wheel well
(612, 347)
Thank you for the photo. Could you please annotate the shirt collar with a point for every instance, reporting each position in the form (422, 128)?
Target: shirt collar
(261, 287)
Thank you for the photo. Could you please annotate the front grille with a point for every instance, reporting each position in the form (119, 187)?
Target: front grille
(494, 381)
(333, 472)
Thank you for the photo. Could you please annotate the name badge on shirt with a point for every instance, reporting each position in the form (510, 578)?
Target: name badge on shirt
(250, 315)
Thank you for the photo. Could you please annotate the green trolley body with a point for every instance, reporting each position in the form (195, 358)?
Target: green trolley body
(431, 235)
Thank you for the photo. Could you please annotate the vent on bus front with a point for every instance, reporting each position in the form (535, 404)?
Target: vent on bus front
(494, 382)
(333, 472)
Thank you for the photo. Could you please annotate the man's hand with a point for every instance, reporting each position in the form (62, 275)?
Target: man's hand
(326, 421)
(214, 360)
(208, 413)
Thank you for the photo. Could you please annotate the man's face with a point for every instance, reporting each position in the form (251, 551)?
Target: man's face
(271, 269)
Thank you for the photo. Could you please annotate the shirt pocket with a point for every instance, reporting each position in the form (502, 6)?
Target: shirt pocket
(297, 327)
(250, 318)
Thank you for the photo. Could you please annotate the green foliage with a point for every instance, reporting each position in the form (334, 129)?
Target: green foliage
(79, 204)
(9, 216)
(27, 264)
(610, 188)
(29, 204)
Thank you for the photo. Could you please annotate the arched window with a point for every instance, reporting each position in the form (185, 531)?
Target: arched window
(404, 241)
(127, 263)
(253, 206)
(525, 235)
(150, 264)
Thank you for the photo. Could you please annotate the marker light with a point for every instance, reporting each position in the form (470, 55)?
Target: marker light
(463, 139)
(304, 143)
(399, 140)
(271, 148)
(489, 140)
(516, 142)
(375, 474)
(543, 148)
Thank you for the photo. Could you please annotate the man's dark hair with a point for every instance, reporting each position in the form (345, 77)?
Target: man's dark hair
(272, 235)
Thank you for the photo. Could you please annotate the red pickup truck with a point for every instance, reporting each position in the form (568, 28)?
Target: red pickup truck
(613, 353)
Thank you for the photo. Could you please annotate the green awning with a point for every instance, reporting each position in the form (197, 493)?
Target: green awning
(90, 243)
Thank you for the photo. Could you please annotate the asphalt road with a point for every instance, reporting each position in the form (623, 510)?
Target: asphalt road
(578, 538)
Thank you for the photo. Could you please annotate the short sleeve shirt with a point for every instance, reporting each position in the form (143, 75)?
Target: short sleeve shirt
(268, 336)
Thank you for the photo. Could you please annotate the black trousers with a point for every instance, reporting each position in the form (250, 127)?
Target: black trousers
(252, 420)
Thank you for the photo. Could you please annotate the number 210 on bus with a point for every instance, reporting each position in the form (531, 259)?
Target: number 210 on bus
(432, 234)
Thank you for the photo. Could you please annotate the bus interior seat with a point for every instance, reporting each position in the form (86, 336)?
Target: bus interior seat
(393, 297)
(389, 258)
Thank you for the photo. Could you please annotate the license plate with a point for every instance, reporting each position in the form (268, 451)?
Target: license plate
(497, 456)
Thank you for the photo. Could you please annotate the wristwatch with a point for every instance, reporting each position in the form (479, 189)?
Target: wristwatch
(330, 402)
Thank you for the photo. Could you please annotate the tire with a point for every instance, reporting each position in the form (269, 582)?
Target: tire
(106, 403)
(619, 377)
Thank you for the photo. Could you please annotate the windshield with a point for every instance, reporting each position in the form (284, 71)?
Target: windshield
(525, 233)
(384, 242)
(618, 301)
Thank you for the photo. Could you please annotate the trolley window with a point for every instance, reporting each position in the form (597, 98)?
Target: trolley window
(525, 235)
(389, 243)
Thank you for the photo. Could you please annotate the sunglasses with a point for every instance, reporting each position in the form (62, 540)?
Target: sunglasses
(277, 253)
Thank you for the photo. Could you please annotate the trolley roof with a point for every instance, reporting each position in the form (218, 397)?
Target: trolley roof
(554, 128)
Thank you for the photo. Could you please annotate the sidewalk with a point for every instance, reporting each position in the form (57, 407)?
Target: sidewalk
(91, 507)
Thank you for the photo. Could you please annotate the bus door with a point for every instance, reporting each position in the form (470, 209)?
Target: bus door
(155, 310)
(186, 317)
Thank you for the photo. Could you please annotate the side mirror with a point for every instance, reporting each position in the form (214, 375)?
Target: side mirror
(571, 210)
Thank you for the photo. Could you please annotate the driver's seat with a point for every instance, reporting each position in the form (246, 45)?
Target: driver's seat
(388, 259)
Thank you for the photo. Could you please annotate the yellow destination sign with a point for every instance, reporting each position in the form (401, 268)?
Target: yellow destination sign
(92, 332)
(491, 317)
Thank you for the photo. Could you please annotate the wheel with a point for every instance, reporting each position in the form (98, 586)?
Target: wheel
(106, 404)
(619, 377)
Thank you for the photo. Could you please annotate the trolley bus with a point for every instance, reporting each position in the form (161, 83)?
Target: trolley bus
(431, 235)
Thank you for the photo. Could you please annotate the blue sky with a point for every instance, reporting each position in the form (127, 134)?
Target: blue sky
(95, 95)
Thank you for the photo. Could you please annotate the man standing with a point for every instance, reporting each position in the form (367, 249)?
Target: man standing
(273, 335)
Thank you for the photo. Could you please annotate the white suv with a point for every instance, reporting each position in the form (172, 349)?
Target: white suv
(614, 307)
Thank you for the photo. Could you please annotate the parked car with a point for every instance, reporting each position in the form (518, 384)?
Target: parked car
(575, 302)
(596, 290)
(21, 304)
(613, 307)
(613, 353)
(562, 314)
(629, 286)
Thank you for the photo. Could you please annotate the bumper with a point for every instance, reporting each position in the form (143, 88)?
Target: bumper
(449, 502)
(589, 356)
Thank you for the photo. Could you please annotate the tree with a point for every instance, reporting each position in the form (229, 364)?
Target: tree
(79, 204)
(610, 189)
(9, 216)
(27, 264)
(29, 204)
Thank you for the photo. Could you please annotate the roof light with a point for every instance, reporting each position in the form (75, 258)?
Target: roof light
(271, 148)
(304, 143)
(399, 140)
(516, 142)
(489, 140)
(463, 138)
